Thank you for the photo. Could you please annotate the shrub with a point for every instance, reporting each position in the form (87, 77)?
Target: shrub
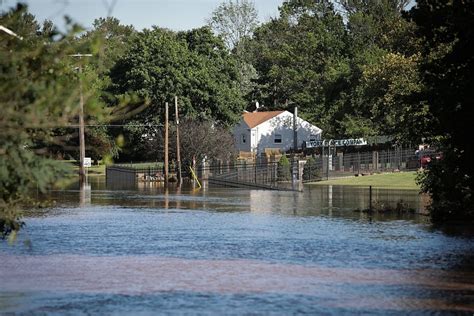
(284, 171)
(310, 170)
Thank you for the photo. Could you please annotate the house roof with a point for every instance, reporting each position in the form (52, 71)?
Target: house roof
(256, 118)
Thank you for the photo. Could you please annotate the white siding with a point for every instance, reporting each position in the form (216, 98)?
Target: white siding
(263, 136)
(283, 125)
(241, 130)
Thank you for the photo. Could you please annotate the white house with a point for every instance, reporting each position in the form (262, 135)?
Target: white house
(258, 131)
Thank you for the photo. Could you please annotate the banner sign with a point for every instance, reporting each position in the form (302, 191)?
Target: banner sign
(336, 143)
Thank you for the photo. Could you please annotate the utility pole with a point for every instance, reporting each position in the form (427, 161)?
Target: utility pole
(178, 149)
(82, 142)
(166, 144)
(295, 130)
(294, 163)
(82, 138)
(329, 155)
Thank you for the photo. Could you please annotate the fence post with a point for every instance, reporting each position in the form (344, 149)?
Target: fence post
(327, 163)
(310, 173)
(358, 162)
(255, 171)
(275, 172)
(370, 199)
(374, 164)
(341, 162)
(399, 158)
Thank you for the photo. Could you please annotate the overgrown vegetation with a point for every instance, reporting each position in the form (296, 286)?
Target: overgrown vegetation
(400, 208)
(447, 68)
(37, 83)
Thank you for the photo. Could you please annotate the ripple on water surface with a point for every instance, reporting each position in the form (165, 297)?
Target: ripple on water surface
(236, 280)
(333, 242)
(252, 252)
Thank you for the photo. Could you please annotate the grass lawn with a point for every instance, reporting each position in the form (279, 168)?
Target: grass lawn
(400, 180)
(95, 170)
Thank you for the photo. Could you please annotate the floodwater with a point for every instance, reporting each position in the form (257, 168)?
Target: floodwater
(146, 250)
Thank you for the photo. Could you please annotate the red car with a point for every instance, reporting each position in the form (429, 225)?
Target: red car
(426, 159)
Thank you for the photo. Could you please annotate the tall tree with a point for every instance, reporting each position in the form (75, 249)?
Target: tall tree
(384, 54)
(446, 28)
(39, 92)
(204, 140)
(110, 39)
(234, 20)
(193, 65)
(301, 60)
(387, 88)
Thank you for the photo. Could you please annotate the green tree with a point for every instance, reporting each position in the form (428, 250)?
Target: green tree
(384, 54)
(283, 169)
(110, 40)
(161, 64)
(39, 92)
(447, 68)
(235, 22)
(388, 87)
(378, 24)
(193, 65)
(301, 60)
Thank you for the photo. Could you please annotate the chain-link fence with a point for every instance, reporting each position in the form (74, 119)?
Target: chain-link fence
(259, 174)
(268, 173)
(334, 165)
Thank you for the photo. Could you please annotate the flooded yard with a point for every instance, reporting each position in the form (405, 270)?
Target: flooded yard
(143, 250)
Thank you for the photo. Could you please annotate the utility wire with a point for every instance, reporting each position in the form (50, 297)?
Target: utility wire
(90, 125)
(117, 125)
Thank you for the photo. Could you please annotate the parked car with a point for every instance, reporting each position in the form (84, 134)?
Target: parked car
(424, 161)
(427, 158)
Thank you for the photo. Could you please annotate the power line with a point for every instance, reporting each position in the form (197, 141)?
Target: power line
(87, 125)
(117, 125)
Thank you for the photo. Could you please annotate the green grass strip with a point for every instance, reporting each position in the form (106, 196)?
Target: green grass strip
(400, 180)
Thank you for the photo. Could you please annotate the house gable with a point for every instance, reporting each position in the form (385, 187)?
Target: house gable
(260, 130)
(256, 118)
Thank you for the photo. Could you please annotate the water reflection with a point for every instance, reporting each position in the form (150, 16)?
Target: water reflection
(312, 200)
(85, 194)
(136, 249)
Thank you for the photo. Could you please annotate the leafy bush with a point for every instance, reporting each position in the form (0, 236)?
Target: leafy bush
(284, 171)
(450, 189)
(310, 170)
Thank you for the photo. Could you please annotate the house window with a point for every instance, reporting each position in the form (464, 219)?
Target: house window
(313, 138)
(243, 138)
(277, 139)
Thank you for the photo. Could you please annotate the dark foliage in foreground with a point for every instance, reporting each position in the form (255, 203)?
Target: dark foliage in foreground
(448, 65)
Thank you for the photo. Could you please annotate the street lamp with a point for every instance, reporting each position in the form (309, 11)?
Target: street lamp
(82, 142)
